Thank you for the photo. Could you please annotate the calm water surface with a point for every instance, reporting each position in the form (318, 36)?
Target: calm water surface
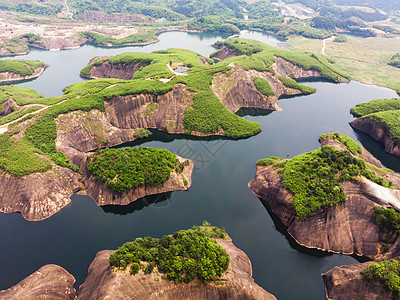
(219, 192)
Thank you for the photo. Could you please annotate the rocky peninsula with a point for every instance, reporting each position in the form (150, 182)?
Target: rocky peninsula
(13, 70)
(380, 119)
(50, 282)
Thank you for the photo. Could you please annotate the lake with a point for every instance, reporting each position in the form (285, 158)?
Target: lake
(219, 192)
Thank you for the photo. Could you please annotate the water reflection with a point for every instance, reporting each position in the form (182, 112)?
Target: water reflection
(157, 201)
(377, 149)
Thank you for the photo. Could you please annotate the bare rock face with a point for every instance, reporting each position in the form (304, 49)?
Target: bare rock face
(103, 283)
(119, 71)
(223, 53)
(8, 107)
(347, 228)
(288, 69)
(378, 133)
(6, 77)
(345, 282)
(50, 282)
(236, 90)
(123, 115)
(39, 195)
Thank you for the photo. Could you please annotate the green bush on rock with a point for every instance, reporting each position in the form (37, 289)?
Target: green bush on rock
(123, 169)
(184, 256)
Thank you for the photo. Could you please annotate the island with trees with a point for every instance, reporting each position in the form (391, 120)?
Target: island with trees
(197, 263)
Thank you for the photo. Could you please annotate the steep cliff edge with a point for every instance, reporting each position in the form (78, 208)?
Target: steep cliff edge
(345, 282)
(348, 227)
(50, 282)
(108, 70)
(7, 77)
(378, 133)
(39, 195)
(237, 283)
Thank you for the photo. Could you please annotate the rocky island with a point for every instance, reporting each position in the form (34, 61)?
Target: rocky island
(339, 199)
(328, 198)
(217, 269)
(14, 70)
(52, 144)
(380, 119)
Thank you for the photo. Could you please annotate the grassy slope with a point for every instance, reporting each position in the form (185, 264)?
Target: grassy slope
(384, 112)
(259, 56)
(20, 66)
(365, 60)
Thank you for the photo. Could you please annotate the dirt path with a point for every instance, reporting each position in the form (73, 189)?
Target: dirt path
(4, 128)
(330, 39)
(165, 80)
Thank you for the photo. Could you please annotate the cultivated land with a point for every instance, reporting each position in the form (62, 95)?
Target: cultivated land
(365, 59)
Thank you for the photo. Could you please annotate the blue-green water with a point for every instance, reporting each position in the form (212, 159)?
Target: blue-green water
(219, 192)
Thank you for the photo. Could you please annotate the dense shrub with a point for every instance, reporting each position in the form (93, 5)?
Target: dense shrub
(263, 86)
(395, 60)
(374, 106)
(314, 178)
(350, 144)
(185, 256)
(19, 66)
(387, 217)
(291, 83)
(386, 273)
(123, 169)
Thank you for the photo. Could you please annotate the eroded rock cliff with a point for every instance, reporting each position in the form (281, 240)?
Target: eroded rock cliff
(39, 195)
(237, 283)
(50, 282)
(345, 282)
(6, 77)
(378, 133)
(348, 227)
(119, 71)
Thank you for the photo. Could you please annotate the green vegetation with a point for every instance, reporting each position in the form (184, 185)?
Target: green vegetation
(20, 66)
(17, 114)
(260, 57)
(386, 273)
(141, 133)
(374, 106)
(345, 140)
(291, 83)
(207, 114)
(172, 10)
(184, 256)
(263, 86)
(102, 40)
(395, 60)
(341, 39)
(212, 24)
(387, 217)
(383, 112)
(314, 178)
(371, 55)
(19, 158)
(123, 169)
(267, 161)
